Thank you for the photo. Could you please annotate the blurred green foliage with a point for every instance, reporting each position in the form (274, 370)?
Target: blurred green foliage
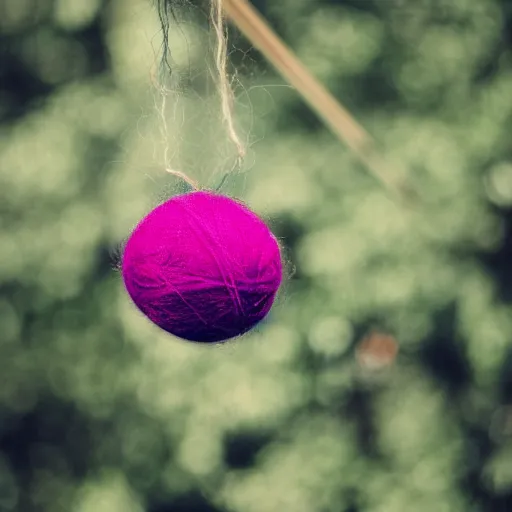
(100, 411)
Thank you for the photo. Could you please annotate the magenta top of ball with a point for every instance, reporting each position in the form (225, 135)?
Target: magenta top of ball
(203, 267)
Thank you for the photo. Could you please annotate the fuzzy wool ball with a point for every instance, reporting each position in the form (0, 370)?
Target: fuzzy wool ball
(203, 267)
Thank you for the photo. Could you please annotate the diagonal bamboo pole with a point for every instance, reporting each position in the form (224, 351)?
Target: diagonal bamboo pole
(327, 107)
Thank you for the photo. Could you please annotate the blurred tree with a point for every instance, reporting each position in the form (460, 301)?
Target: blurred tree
(100, 411)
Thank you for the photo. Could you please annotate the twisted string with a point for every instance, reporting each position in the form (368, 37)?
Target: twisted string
(166, 11)
(224, 84)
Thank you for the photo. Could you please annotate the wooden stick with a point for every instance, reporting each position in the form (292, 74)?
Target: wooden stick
(340, 121)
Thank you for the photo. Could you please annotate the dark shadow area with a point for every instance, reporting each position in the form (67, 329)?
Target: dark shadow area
(499, 263)
(506, 380)
(242, 448)
(298, 117)
(21, 87)
(191, 502)
(442, 353)
(478, 451)
(54, 436)
(359, 407)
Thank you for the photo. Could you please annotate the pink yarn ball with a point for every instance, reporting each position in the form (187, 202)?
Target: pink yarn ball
(202, 267)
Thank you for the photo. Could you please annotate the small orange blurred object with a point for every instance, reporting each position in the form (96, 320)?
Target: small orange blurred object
(376, 351)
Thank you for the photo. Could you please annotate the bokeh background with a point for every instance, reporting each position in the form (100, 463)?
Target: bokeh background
(382, 380)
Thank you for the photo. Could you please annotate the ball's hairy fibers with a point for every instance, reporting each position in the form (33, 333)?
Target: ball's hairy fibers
(203, 267)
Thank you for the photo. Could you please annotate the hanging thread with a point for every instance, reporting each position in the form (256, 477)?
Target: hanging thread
(224, 83)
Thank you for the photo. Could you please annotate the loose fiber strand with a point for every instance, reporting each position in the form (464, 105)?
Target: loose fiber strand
(224, 84)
